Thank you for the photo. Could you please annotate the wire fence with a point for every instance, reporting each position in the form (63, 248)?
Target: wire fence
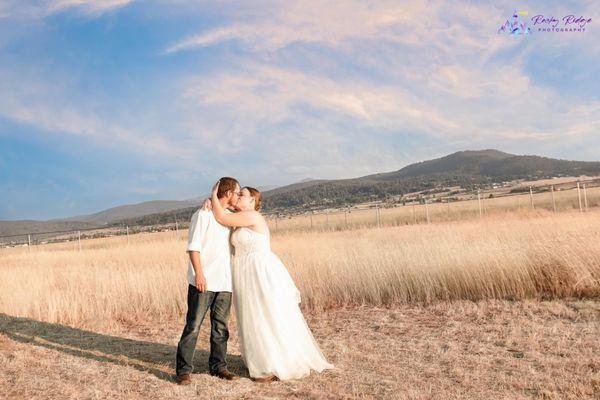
(416, 208)
(450, 206)
(36, 238)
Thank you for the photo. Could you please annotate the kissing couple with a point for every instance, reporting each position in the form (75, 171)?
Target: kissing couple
(275, 341)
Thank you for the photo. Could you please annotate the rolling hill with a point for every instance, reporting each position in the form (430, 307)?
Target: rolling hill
(134, 210)
(112, 216)
(468, 169)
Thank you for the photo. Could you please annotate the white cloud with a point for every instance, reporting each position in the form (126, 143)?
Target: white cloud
(87, 6)
(438, 70)
(331, 23)
(326, 89)
(295, 125)
(43, 8)
(495, 106)
(55, 106)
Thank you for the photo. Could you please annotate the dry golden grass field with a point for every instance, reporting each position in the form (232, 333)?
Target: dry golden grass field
(362, 216)
(503, 307)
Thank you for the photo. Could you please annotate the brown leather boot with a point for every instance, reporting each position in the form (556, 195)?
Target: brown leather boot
(184, 379)
(224, 374)
(265, 379)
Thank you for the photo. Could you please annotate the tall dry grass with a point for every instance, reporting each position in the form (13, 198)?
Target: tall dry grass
(515, 256)
(511, 257)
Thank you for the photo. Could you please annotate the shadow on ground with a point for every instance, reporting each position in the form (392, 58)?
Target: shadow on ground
(155, 358)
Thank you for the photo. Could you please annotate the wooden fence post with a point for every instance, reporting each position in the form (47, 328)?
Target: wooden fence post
(553, 201)
(531, 197)
(579, 195)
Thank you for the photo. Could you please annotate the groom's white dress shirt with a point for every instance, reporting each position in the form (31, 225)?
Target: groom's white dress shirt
(211, 239)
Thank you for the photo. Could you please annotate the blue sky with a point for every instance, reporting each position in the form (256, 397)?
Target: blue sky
(111, 102)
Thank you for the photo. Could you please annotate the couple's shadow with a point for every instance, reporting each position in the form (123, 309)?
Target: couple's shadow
(155, 358)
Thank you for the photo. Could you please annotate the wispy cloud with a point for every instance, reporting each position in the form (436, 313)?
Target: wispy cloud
(86, 6)
(43, 8)
(277, 91)
(438, 71)
(58, 108)
(459, 104)
(332, 23)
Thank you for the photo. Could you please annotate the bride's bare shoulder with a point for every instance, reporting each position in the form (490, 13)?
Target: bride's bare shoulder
(263, 224)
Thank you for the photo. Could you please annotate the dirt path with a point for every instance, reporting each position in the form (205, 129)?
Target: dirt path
(486, 350)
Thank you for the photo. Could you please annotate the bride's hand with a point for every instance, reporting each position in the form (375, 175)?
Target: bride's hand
(207, 205)
(215, 189)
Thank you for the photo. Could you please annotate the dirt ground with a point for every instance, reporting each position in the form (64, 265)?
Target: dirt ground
(460, 350)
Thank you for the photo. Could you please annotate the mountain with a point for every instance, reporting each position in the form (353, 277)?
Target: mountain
(467, 169)
(96, 220)
(303, 184)
(180, 214)
(23, 227)
(465, 162)
(132, 210)
(305, 180)
(166, 210)
(492, 164)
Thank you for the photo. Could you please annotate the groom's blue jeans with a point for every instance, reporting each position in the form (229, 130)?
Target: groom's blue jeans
(199, 303)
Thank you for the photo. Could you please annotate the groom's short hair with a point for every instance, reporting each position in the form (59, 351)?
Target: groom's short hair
(226, 183)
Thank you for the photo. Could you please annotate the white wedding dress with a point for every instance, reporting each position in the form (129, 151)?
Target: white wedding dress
(274, 337)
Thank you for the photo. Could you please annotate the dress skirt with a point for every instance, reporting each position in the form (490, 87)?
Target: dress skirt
(274, 336)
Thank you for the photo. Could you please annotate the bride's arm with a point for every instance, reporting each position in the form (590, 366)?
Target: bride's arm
(238, 219)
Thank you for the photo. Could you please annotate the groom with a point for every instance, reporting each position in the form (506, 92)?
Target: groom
(209, 278)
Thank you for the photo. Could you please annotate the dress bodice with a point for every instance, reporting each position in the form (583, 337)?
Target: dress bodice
(246, 240)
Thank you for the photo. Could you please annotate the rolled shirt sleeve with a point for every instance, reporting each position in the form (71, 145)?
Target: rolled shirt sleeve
(198, 226)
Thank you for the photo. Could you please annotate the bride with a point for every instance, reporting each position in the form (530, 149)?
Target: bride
(276, 343)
